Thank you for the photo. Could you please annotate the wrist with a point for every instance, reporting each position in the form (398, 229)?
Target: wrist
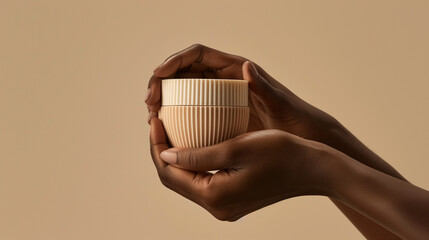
(318, 125)
(334, 134)
(341, 173)
(329, 167)
(327, 130)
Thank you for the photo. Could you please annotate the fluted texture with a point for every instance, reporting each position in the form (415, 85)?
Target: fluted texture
(201, 126)
(204, 92)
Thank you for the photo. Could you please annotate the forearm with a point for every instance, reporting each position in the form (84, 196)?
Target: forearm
(398, 206)
(337, 136)
(367, 227)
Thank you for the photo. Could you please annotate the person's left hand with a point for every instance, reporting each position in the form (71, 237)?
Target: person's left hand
(256, 169)
(272, 105)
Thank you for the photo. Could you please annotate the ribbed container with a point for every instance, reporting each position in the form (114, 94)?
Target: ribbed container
(203, 112)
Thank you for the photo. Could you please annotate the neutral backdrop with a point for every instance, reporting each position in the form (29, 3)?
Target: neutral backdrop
(74, 149)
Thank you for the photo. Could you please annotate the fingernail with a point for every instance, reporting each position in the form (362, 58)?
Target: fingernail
(253, 70)
(148, 93)
(169, 156)
(159, 66)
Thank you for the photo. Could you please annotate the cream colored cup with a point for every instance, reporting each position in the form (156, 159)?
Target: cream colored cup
(203, 112)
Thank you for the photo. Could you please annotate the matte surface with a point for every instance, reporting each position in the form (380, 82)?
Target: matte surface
(202, 126)
(206, 92)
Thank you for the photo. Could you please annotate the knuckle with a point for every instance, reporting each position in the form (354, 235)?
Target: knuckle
(222, 215)
(164, 182)
(275, 131)
(214, 197)
(208, 196)
(211, 200)
(154, 108)
(278, 138)
(222, 157)
(230, 153)
(197, 46)
(152, 150)
(242, 59)
(152, 80)
(190, 160)
(163, 176)
(233, 219)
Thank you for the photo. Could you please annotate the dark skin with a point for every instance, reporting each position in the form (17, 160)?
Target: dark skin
(292, 130)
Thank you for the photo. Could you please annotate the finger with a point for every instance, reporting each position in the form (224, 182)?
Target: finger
(259, 85)
(158, 142)
(215, 157)
(197, 54)
(268, 77)
(151, 115)
(154, 90)
(174, 178)
(195, 186)
(195, 70)
(189, 75)
(155, 107)
(197, 67)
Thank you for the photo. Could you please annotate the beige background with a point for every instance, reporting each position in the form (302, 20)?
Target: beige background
(74, 153)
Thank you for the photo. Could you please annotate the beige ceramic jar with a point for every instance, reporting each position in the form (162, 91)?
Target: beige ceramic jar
(203, 112)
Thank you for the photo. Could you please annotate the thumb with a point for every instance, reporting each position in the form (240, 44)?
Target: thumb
(258, 84)
(214, 157)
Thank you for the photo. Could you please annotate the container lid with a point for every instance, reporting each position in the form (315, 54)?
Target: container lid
(204, 92)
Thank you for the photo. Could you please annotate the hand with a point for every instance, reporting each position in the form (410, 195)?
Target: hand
(272, 105)
(260, 168)
(255, 170)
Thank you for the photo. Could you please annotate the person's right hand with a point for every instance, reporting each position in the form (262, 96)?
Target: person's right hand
(256, 169)
(272, 105)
